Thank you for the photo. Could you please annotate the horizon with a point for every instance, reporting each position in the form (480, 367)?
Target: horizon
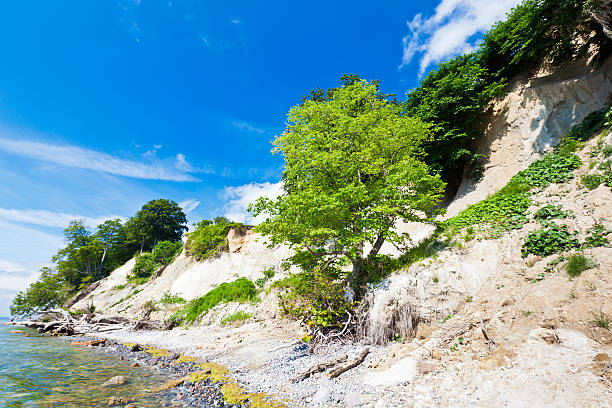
(105, 107)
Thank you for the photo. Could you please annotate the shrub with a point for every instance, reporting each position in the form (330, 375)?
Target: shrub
(209, 239)
(170, 299)
(548, 241)
(241, 290)
(165, 251)
(555, 167)
(601, 320)
(236, 317)
(268, 274)
(577, 263)
(145, 266)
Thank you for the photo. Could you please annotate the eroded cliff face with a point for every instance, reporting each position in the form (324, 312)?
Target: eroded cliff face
(248, 256)
(530, 120)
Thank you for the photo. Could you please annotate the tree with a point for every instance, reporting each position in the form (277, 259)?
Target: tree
(158, 220)
(353, 167)
(50, 290)
(113, 237)
(453, 98)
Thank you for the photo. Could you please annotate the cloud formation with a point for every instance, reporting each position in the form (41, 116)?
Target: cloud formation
(451, 29)
(176, 169)
(49, 218)
(189, 205)
(238, 199)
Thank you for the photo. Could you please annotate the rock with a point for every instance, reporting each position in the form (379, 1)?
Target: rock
(117, 401)
(134, 365)
(426, 368)
(549, 323)
(424, 331)
(353, 399)
(602, 358)
(25, 335)
(16, 331)
(116, 380)
(436, 354)
(174, 356)
(548, 335)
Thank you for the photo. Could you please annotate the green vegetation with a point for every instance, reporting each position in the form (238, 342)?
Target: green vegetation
(169, 299)
(352, 169)
(601, 319)
(147, 263)
(209, 238)
(236, 317)
(89, 256)
(241, 290)
(550, 212)
(598, 237)
(268, 274)
(592, 181)
(551, 240)
(578, 263)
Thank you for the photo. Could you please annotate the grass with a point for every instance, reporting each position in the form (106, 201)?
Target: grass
(120, 287)
(236, 317)
(241, 290)
(169, 299)
(601, 319)
(578, 263)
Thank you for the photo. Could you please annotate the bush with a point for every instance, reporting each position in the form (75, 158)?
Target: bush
(241, 290)
(209, 239)
(165, 251)
(577, 263)
(548, 241)
(170, 299)
(145, 266)
(591, 181)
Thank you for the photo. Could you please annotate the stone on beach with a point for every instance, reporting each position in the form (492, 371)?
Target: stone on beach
(116, 380)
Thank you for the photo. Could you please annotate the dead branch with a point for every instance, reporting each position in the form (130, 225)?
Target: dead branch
(335, 373)
(319, 367)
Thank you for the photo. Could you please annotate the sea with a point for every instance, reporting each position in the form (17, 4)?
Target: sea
(43, 371)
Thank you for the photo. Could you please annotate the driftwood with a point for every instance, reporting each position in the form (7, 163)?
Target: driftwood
(319, 367)
(354, 363)
(68, 325)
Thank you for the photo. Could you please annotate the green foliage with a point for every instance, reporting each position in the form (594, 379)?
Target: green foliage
(236, 317)
(601, 319)
(49, 291)
(452, 98)
(241, 290)
(268, 274)
(550, 212)
(165, 251)
(158, 220)
(591, 181)
(551, 240)
(536, 30)
(317, 300)
(169, 299)
(578, 263)
(598, 237)
(504, 210)
(209, 239)
(145, 266)
(352, 168)
(556, 167)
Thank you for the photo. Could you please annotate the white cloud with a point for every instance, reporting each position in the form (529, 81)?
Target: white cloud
(248, 127)
(72, 156)
(238, 199)
(49, 218)
(235, 20)
(189, 205)
(450, 30)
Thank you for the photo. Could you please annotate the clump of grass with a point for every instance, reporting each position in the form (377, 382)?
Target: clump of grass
(120, 287)
(241, 290)
(601, 319)
(591, 181)
(435, 279)
(527, 313)
(236, 317)
(578, 263)
(169, 299)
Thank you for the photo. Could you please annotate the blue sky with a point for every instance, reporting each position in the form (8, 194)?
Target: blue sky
(107, 105)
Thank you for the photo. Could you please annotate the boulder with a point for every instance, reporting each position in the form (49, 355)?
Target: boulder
(116, 380)
(117, 401)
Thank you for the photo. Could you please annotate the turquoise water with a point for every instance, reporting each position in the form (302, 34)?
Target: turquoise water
(42, 371)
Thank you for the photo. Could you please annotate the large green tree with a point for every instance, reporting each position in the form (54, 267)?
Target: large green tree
(353, 168)
(158, 220)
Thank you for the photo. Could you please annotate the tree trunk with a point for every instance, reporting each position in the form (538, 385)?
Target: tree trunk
(102, 261)
(354, 279)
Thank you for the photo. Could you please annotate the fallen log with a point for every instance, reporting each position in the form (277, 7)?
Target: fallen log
(335, 373)
(319, 367)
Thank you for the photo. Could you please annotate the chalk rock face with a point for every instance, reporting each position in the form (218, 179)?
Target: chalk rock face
(530, 120)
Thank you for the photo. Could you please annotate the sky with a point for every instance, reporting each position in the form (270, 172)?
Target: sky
(107, 105)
